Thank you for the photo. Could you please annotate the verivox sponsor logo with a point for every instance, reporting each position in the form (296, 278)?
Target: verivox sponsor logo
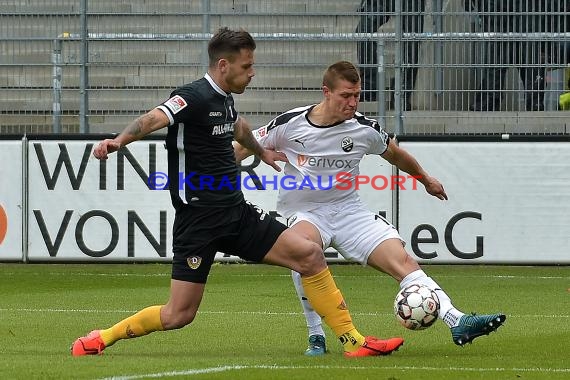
(322, 162)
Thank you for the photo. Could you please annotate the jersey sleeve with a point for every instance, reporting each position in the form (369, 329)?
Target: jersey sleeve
(270, 136)
(267, 135)
(177, 107)
(379, 139)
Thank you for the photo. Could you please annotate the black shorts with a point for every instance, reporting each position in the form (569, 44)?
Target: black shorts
(244, 230)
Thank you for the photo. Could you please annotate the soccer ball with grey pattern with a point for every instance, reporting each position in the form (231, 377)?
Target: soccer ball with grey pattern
(416, 307)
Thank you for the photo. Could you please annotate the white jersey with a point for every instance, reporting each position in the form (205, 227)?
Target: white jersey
(323, 160)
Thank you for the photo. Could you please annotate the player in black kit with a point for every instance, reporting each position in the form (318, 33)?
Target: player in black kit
(211, 212)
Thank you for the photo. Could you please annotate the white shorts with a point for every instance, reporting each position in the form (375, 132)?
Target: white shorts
(350, 228)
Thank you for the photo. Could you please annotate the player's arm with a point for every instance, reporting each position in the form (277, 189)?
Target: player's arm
(406, 162)
(241, 152)
(248, 145)
(140, 127)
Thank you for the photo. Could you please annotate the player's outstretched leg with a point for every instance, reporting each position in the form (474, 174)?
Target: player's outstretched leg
(473, 326)
(464, 328)
(142, 323)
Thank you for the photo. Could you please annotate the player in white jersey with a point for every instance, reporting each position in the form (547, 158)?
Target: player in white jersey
(321, 157)
(324, 144)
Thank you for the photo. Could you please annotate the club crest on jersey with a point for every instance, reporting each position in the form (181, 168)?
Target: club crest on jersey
(176, 104)
(194, 262)
(346, 144)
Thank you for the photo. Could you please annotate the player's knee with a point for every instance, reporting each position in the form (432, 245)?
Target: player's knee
(177, 320)
(313, 261)
(410, 263)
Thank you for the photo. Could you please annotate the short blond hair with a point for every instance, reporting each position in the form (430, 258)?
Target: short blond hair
(340, 70)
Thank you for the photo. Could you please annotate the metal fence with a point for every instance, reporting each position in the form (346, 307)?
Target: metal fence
(456, 66)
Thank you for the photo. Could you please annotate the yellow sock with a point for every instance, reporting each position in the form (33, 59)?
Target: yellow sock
(351, 340)
(142, 323)
(326, 299)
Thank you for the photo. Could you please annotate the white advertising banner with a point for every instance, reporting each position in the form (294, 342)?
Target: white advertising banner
(509, 202)
(11, 203)
(80, 208)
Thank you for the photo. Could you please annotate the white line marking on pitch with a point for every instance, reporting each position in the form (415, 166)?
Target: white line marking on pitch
(277, 313)
(200, 371)
(167, 274)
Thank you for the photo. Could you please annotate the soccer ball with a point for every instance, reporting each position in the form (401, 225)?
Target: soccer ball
(416, 307)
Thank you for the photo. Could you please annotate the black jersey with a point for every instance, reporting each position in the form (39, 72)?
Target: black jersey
(201, 163)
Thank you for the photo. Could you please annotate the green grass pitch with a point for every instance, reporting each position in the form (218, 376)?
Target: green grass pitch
(250, 325)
